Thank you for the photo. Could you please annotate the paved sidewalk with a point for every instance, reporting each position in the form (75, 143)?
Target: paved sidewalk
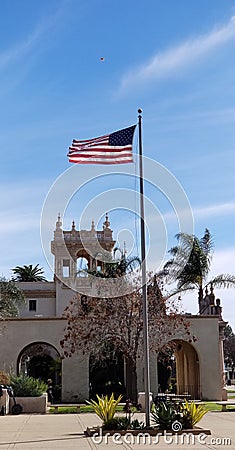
(67, 431)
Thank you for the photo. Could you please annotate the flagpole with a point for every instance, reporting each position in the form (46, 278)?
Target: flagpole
(144, 279)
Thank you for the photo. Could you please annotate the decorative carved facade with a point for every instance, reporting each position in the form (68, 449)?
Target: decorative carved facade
(94, 246)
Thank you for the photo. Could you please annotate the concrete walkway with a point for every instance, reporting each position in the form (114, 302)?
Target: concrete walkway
(33, 431)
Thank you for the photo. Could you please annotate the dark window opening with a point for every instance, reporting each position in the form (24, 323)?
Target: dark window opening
(32, 305)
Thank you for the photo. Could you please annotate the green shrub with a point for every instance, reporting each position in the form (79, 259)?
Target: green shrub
(117, 423)
(122, 423)
(27, 386)
(111, 424)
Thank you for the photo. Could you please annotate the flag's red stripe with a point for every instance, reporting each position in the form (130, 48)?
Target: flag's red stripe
(110, 155)
(101, 162)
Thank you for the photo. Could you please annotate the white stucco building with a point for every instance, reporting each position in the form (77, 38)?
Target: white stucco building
(31, 343)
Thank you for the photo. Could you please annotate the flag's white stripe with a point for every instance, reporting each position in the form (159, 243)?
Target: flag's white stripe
(101, 160)
(100, 154)
(101, 147)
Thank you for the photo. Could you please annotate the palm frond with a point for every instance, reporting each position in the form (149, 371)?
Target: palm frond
(207, 243)
(186, 241)
(184, 290)
(29, 273)
(224, 280)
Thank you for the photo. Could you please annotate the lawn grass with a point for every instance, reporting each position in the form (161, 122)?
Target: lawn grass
(210, 406)
(72, 410)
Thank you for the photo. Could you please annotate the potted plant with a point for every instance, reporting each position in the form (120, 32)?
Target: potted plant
(30, 393)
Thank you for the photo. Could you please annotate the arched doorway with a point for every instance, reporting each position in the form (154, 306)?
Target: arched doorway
(42, 361)
(106, 376)
(187, 369)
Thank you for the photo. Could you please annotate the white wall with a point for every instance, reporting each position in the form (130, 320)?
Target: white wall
(18, 333)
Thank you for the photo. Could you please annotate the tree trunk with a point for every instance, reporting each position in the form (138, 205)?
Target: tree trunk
(131, 381)
(200, 299)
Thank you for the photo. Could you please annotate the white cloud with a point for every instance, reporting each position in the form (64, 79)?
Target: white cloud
(10, 55)
(21, 205)
(205, 211)
(215, 210)
(223, 262)
(22, 48)
(169, 62)
(16, 224)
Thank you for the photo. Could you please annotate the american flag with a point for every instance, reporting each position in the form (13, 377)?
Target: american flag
(114, 148)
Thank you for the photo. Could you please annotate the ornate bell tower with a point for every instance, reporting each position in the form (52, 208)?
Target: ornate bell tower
(76, 251)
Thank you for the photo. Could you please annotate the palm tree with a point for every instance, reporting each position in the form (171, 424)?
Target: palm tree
(29, 273)
(191, 262)
(118, 267)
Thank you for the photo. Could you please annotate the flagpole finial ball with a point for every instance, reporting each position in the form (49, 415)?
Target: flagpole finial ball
(140, 111)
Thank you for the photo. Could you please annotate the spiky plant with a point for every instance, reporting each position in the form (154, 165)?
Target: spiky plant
(105, 407)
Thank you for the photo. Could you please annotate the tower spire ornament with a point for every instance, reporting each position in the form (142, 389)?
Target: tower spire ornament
(106, 223)
(58, 223)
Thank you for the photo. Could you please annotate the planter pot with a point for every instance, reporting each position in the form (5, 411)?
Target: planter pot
(32, 404)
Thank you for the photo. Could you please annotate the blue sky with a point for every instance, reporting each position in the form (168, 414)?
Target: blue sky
(176, 60)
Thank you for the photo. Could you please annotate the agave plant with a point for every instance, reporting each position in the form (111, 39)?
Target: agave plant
(164, 415)
(105, 407)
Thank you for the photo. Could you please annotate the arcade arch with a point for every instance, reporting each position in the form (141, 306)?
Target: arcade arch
(187, 369)
(181, 370)
(41, 360)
